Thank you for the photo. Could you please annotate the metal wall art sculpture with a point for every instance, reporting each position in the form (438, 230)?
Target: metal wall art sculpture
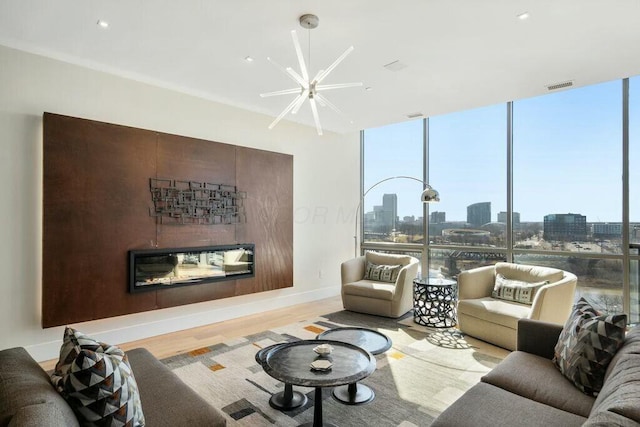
(191, 202)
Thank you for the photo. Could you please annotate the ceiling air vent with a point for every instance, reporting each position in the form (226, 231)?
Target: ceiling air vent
(560, 85)
(414, 115)
(395, 66)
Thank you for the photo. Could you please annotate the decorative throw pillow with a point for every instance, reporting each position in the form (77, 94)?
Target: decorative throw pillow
(97, 381)
(587, 344)
(382, 273)
(516, 290)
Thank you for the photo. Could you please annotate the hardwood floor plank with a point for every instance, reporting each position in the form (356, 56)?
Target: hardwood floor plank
(174, 343)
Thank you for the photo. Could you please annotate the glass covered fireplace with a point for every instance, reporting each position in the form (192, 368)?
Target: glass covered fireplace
(152, 269)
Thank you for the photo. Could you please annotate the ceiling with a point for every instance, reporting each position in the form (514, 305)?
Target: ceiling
(459, 54)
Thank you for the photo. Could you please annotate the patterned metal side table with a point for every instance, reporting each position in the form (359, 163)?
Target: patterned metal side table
(434, 302)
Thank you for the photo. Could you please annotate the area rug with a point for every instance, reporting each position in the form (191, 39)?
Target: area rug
(414, 381)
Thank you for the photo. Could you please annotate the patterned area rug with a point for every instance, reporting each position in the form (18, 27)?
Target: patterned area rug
(424, 372)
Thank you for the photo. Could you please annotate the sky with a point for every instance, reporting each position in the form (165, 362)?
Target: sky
(567, 157)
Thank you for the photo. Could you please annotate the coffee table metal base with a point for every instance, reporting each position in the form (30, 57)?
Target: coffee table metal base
(288, 399)
(317, 412)
(353, 394)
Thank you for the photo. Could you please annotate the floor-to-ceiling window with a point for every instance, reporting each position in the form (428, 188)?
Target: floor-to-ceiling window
(567, 191)
(634, 200)
(392, 210)
(467, 165)
(564, 162)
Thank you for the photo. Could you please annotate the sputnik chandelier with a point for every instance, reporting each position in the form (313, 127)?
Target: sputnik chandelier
(309, 88)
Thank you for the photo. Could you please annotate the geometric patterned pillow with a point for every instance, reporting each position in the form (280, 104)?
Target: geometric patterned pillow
(516, 290)
(382, 273)
(587, 344)
(98, 385)
(73, 342)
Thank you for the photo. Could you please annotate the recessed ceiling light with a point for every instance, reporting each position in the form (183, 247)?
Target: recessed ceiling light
(248, 58)
(102, 24)
(522, 16)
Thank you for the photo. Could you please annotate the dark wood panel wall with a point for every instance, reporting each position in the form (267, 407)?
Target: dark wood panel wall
(96, 209)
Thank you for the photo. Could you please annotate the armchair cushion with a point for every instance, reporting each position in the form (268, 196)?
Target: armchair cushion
(505, 313)
(587, 344)
(370, 289)
(382, 273)
(516, 290)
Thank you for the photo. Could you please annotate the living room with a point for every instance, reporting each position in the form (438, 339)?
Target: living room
(326, 177)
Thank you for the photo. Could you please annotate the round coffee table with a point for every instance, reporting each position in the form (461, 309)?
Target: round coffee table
(290, 363)
(285, 400)
(374, 342)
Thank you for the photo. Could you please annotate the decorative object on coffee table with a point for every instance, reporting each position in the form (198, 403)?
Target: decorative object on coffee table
(291, 364)
(374, 342)
(434, 302)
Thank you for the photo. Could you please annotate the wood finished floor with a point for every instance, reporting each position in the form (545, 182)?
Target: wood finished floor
(174, 343)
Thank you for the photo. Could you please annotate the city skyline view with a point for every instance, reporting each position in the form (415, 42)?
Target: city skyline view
(567, 157)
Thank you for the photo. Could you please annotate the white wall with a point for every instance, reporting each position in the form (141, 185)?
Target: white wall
(326, 177)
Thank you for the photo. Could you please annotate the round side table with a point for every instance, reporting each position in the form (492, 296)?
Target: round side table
(434, 302)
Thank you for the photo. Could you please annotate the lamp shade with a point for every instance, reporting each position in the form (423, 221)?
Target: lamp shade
(429, 195)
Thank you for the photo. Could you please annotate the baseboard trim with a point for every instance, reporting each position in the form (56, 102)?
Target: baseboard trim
(50, 350)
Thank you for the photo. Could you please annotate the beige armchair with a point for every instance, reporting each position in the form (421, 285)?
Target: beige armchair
(496, 320)
(389, 299)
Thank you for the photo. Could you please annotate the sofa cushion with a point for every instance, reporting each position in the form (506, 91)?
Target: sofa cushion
(537, 378)
(528, 273)
(25, 383)
(382, 273)
(505, 313)
(609, 419)
(516, 290)
(587, 344)
(485, 405)
(370, 289)
(40, 414)
(98, 383)
(621, 390)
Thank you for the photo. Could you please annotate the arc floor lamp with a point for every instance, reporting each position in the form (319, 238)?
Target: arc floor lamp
(429, 195)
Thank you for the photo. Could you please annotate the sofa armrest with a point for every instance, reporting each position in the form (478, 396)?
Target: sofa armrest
(166, 400)
(476, 283)
(352, 270)
(537, 337)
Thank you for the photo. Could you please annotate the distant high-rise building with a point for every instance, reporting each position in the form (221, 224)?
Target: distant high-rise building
(607, 229)
(438, 217)
(479, 213)
(389, 211)
(565, 227)
(502, 217)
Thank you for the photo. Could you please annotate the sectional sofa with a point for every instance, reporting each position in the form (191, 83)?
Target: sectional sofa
(28, 398)
(526, 388)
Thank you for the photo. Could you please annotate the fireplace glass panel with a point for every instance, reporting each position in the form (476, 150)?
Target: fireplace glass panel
(162, 268)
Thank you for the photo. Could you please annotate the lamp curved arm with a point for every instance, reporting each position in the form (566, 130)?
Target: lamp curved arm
(429, 194)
